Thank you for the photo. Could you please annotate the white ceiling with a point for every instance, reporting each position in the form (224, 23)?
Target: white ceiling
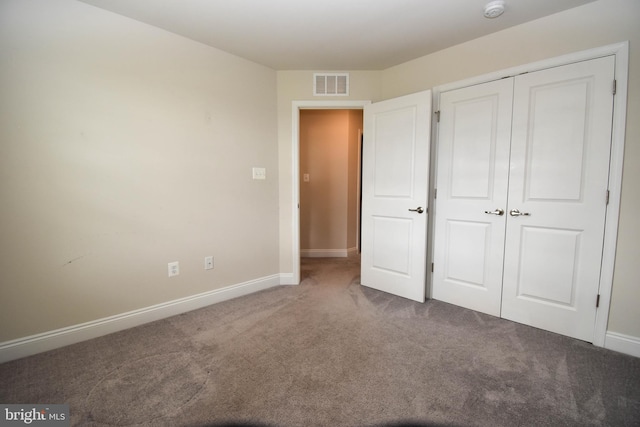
(331, 34)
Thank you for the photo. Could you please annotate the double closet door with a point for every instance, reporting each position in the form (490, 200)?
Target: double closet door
(522, 177)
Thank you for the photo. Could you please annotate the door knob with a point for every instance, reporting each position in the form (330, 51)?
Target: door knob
(516, 212)
(418, 209)
(498, 212)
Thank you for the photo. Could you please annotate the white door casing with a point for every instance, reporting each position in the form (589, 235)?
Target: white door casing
(394, 189)
(560, 150)
(472, 176)
(293, 278)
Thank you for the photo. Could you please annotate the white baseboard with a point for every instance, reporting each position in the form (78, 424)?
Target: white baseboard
(323, 253)
(287, 279)
(327, 253)
(622, 343)
(27, 346)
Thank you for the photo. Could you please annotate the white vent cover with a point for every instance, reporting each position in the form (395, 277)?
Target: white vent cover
(331, 84)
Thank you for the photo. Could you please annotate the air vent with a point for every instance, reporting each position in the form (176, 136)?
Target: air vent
(331, 84)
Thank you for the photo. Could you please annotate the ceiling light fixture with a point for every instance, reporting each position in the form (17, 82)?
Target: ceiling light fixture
(493, 9)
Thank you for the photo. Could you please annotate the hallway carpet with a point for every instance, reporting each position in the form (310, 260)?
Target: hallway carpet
(331, 353)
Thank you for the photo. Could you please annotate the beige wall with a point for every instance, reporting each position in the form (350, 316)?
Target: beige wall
(124, 147)
(595, 24)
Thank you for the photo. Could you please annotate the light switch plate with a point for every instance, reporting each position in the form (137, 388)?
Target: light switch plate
(259, 173)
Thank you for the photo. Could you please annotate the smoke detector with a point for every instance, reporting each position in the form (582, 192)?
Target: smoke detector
(493, 9)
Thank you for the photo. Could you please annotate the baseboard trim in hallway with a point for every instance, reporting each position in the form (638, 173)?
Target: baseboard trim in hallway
(327, 253)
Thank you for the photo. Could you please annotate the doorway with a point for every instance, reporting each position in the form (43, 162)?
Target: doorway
(297, 106)
(329, 182)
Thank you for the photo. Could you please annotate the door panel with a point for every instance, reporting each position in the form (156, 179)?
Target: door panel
(394, 151)
(472, 177)
(559, 176)
(394, 180)
(472, 162)
(548, 264)
(466, 264)
(392, 256)
(555, 140)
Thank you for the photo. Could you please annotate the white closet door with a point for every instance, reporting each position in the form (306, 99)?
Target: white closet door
(472, 177)
(557, 196)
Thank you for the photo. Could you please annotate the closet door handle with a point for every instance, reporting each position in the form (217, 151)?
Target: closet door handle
(418, 209)
(516, 212)
(498, 212)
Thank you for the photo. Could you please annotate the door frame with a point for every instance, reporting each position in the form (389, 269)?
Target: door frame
(296, 106)
(621, 53)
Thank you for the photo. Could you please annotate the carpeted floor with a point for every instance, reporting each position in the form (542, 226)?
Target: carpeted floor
(331, 353)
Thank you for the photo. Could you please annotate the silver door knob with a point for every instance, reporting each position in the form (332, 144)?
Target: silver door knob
(516, 212)
(498, 212)
(418, 209)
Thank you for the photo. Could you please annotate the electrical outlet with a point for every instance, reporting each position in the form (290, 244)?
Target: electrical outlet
(208, 262)
(174, 268)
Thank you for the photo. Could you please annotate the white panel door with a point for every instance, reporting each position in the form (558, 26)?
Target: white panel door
(472, 179)
(394, 195)
(557, 196)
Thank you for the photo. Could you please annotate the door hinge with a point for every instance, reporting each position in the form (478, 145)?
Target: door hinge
(435, 193)
(615, 86)
(598, 301)
(432, 267)
(437, 113)
(607, 197)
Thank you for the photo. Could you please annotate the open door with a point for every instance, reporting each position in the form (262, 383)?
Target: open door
(395, 175)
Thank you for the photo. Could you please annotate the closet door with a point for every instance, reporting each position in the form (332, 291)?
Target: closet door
(471, 181)
(557, 196)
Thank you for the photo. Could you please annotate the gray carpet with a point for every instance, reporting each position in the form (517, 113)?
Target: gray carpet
(331, 353)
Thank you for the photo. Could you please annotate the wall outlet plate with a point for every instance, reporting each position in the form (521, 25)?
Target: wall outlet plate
(208, 263)
(174, 268)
